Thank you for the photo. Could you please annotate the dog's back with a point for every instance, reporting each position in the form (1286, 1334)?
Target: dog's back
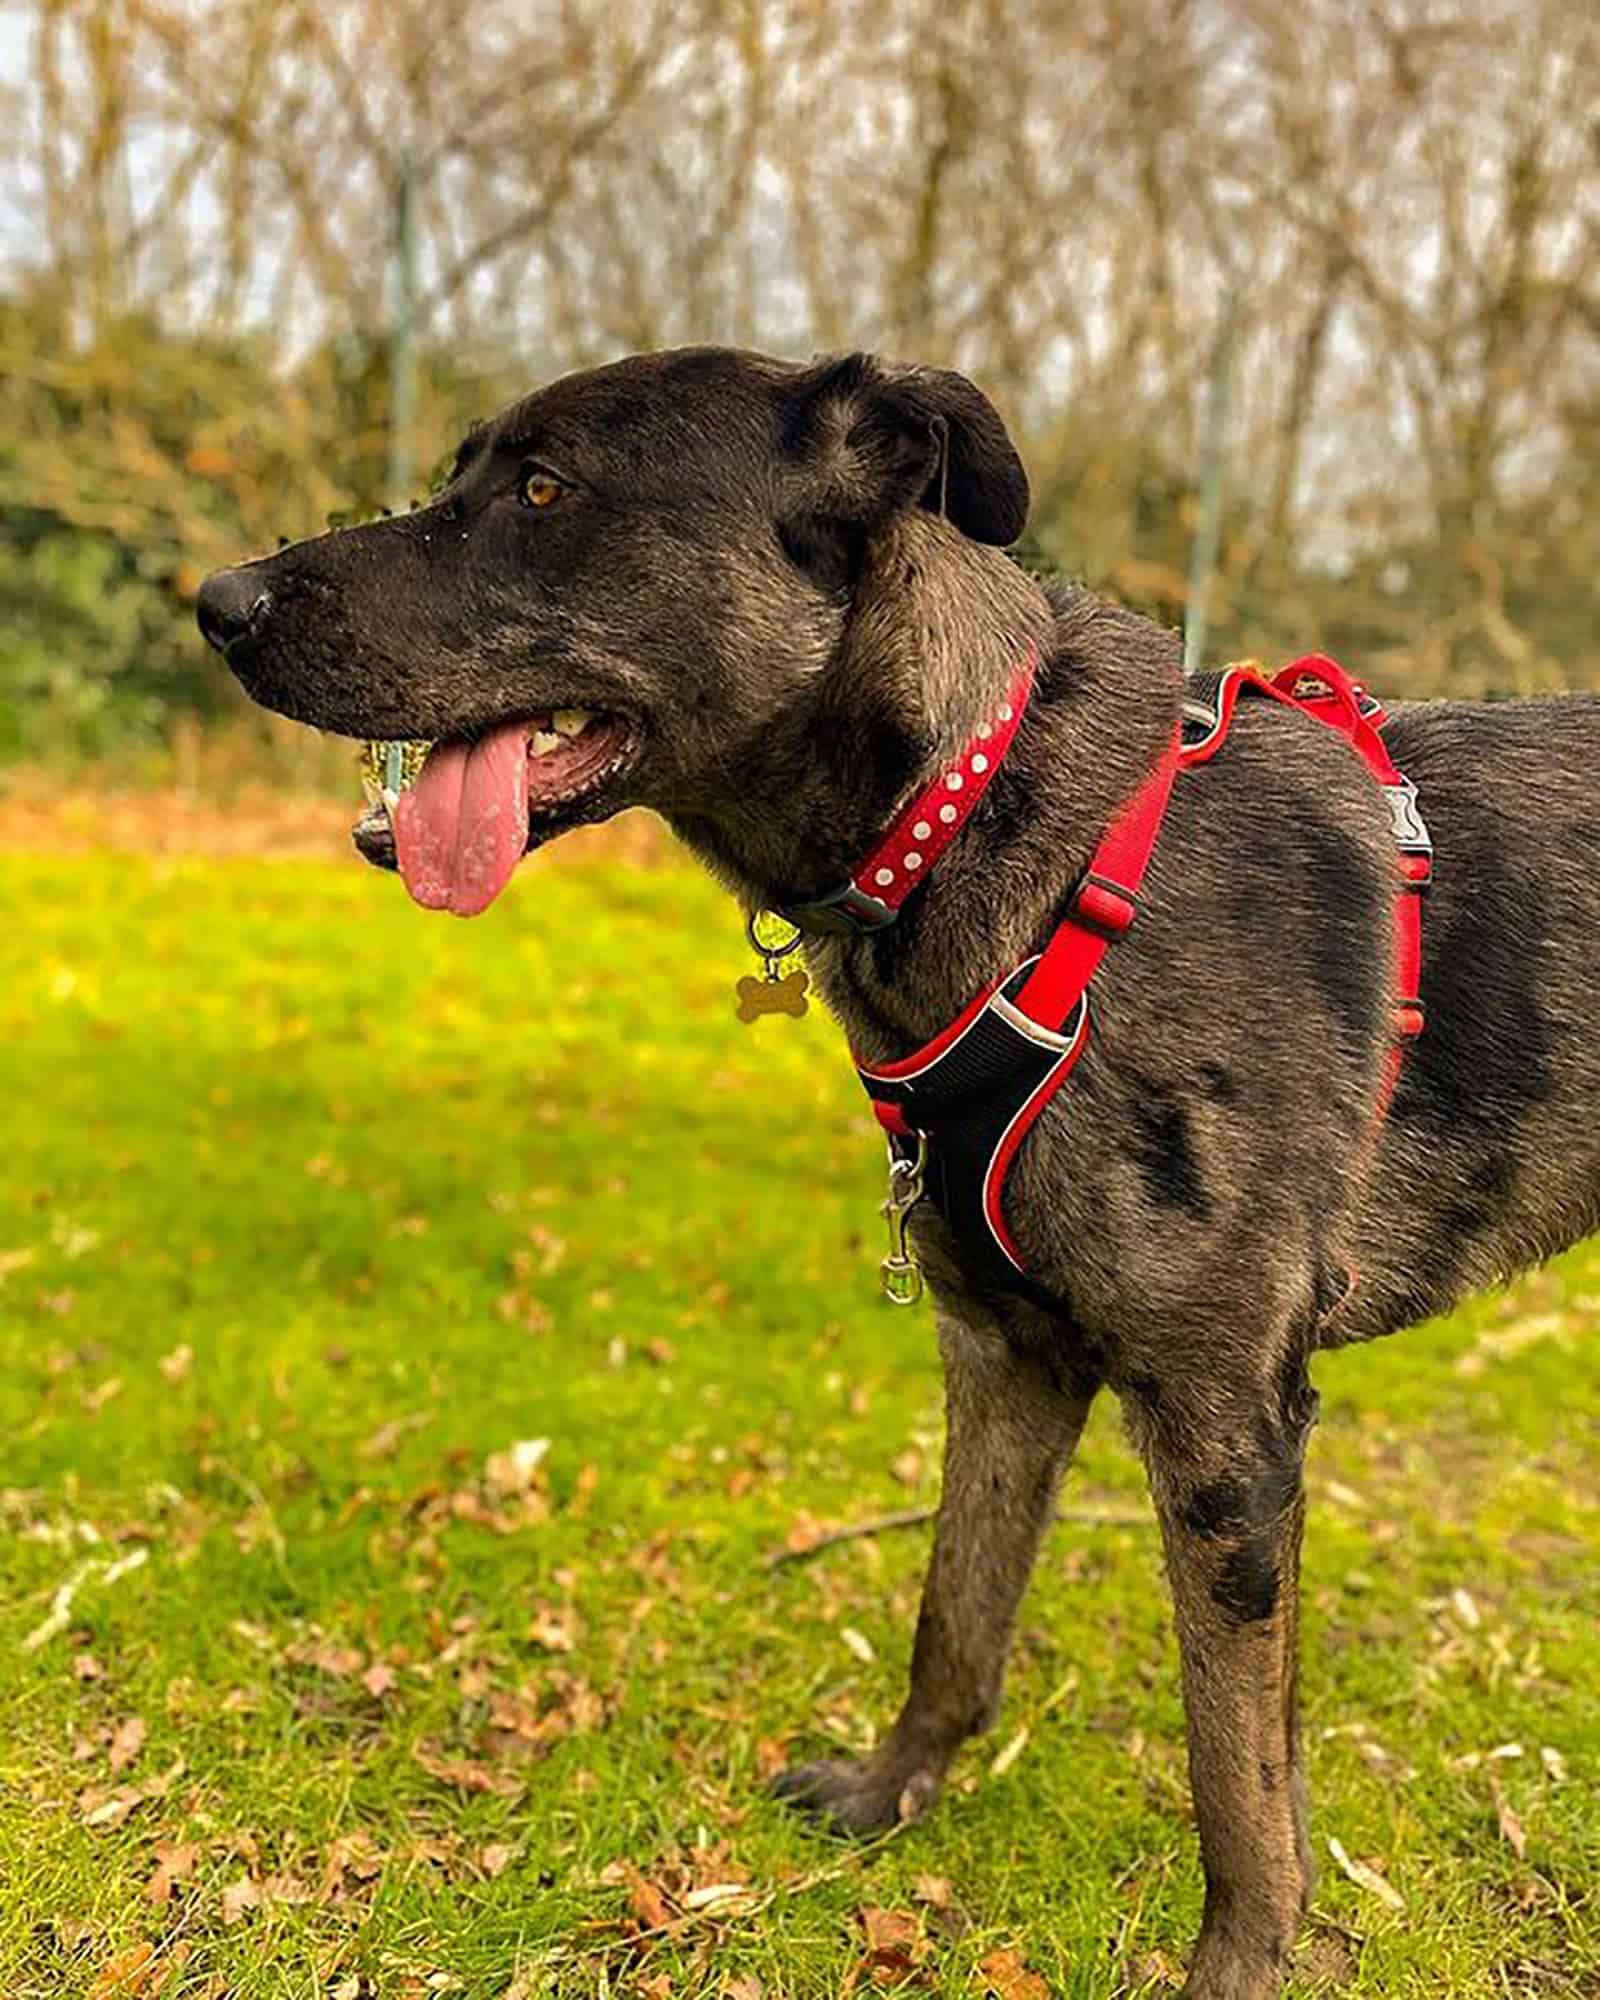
(1491, 1159)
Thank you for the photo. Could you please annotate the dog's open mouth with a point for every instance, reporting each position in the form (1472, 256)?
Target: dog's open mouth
(480, 803)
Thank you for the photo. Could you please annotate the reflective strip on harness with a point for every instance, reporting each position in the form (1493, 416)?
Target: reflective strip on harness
(975, 1091)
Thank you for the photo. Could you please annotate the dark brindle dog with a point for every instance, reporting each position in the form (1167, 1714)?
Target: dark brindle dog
(768, 600)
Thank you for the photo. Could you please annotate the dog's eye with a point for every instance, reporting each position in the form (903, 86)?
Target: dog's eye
(540, 488)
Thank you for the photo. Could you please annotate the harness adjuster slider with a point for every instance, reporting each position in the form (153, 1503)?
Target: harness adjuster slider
(1416, 874)
(1104, 907)
(1408, 1020)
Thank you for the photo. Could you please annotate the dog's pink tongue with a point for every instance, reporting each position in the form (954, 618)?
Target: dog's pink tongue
(463, 826)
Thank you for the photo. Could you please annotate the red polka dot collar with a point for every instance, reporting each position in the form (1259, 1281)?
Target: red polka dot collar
(922, 830)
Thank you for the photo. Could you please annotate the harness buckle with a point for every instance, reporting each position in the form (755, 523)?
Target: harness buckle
(844, 912)
(900, 1271)
(1105, 907)
(1411, 834)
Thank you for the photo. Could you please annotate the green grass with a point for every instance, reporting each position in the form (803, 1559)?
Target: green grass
(309, 1204)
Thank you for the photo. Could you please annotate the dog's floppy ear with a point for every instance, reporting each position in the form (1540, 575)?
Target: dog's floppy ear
(870, 440)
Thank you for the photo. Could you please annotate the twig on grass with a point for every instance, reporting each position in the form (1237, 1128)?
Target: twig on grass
(61, 1604)
(914, 1517)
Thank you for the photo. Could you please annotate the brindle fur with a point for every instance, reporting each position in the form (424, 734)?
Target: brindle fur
(788, 577)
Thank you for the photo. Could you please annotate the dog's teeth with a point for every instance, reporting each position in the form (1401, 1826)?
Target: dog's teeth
(570, 721)
(542, 742)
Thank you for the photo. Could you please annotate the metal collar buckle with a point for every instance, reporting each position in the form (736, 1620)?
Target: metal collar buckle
(843, 912)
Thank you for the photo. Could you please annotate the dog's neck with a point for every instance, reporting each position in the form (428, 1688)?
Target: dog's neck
(935, 635)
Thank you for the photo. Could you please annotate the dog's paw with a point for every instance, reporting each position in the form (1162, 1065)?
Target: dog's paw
(856, 1797)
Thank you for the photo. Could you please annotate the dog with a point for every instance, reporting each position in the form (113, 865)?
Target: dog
(770, 600)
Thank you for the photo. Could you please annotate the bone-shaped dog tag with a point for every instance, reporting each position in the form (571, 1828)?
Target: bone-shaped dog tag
(773, 996)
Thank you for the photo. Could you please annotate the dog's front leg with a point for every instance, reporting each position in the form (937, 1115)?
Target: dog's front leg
(1225, 1469)
(1012, 1426)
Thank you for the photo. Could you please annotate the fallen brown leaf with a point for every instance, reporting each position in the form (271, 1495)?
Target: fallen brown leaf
(515, 1470)
(338, 1662)
(896, 1948)
(554, 1627)
(356, 1855)
(465, 1774)
(1156, 1969)
(804, 1533)
(772, 1756)
(1511, 1827)
(887, 1928)
(648, 1903)
(129, 1973)
(386, 1439)
(126, 1743)
(103, 1810)
(175, 1862)
(1004, 1974)
(238, 1898)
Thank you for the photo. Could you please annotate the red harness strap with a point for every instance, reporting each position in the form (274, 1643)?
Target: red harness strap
(1105, 902)
(976, 1089)
(1322, 688)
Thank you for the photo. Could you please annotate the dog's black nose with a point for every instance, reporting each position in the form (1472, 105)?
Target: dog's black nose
(232, 602)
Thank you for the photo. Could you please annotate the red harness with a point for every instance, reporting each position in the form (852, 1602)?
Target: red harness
(967, 1099)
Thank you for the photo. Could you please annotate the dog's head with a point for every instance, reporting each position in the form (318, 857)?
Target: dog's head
(627, 575)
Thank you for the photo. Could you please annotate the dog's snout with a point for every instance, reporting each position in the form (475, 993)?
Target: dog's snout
(232, 603)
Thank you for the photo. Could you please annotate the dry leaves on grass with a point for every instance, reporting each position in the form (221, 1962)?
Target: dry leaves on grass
(1511, 1827)
(466, 1774)
(1158, 1970)
(326, 1656)
(897, 1949)
(554, 1627)
(256, 1892)
(696, 1888)
(175, 1862)
(1004, 1974)
(515, 1470)
(103, 1807)
(1365, 1876)
(126, 1742)
(240, 1897)
(355, 1861)
(142, 1972)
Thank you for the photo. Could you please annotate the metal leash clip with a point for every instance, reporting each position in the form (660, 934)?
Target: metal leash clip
(902, 1274)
